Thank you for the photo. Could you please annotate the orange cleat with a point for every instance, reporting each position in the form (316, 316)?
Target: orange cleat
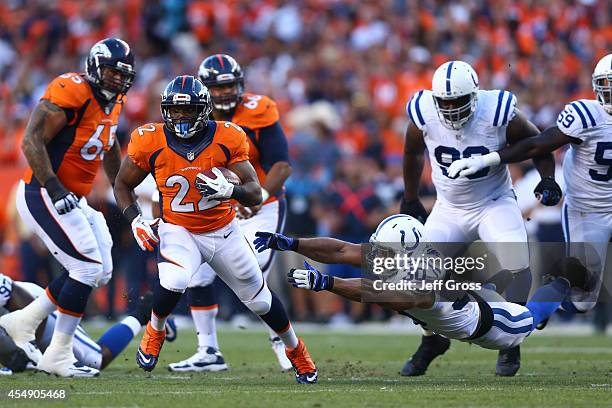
(305, 369)
(150, 346)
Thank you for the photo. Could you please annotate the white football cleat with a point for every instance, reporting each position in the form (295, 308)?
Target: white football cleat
(61, 362)
(205, 359)
(23, 335)
(279, 350)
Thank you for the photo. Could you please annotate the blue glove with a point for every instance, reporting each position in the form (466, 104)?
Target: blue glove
(269, 240)
(548, 191)
(310, 279)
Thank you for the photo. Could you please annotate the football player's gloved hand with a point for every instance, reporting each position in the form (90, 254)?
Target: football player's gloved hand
(468, 166)
(548, 191)
(310, 279)
(63, 200)
(144, 234)
(217, 189)
(414, 208)
(269, 240)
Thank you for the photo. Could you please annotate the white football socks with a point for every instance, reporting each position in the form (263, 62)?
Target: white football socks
(289, 338)
(37, 311)
(205, 321)
(133, 324)
(158, 323)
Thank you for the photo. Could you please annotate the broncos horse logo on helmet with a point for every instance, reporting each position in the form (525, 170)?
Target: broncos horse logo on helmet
(224, 77)
(185, 106)
(110, 67)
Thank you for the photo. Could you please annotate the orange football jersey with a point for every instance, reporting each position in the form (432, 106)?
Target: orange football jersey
(77, 150)
(253, 113)
(175, 166)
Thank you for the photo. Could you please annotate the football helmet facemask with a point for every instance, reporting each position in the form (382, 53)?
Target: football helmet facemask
(455, 91)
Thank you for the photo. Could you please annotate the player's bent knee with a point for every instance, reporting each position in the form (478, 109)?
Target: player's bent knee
(261, 303)
(89, 274)
(173, 278)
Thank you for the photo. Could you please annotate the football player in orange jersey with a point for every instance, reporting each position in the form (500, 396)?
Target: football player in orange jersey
(70, 133)
(198, 223)
(258, 116)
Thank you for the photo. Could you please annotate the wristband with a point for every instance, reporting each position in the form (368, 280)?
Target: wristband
(294, 244)
(131, 212)
(330, 283)
(491, 159)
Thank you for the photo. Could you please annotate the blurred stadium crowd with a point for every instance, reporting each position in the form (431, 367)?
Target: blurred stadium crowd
(341, 73)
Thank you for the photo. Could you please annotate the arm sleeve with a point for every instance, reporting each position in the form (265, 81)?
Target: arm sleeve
(273, 146)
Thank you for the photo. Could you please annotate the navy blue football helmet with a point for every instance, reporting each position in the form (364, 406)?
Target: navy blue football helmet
(110, 67)
(185, 106)
(223, 70)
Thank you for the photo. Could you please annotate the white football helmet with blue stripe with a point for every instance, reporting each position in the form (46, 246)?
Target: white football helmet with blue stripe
(602, 82)
(455, 90)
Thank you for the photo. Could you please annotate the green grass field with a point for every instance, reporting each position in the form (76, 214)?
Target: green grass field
(354, 370)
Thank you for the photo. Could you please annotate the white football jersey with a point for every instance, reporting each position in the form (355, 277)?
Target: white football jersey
(587, 166)
(443, 319)
(485, 132)
(6, 289)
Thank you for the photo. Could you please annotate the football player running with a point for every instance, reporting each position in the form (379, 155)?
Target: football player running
(479, 316)
(258, 116)
(586, 126)
(15, 295)
(198, 223)
(70, 132)
(456, 119)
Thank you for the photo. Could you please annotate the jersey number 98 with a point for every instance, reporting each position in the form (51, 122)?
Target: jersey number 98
(443, 153)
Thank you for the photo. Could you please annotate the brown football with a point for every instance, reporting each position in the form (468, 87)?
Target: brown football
(229, 175)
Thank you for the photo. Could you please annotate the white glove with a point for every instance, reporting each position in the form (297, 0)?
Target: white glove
(144, 234)
(467, 167)
(217, 189)
(310, 279)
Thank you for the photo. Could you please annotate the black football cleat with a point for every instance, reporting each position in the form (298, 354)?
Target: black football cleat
(430, 348)
(542, 324)
(508, 362)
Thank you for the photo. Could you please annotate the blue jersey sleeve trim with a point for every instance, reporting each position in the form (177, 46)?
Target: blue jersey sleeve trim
(418, 108)
(498, 109)
(508, 104)
(579, 111)
(591, 118)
